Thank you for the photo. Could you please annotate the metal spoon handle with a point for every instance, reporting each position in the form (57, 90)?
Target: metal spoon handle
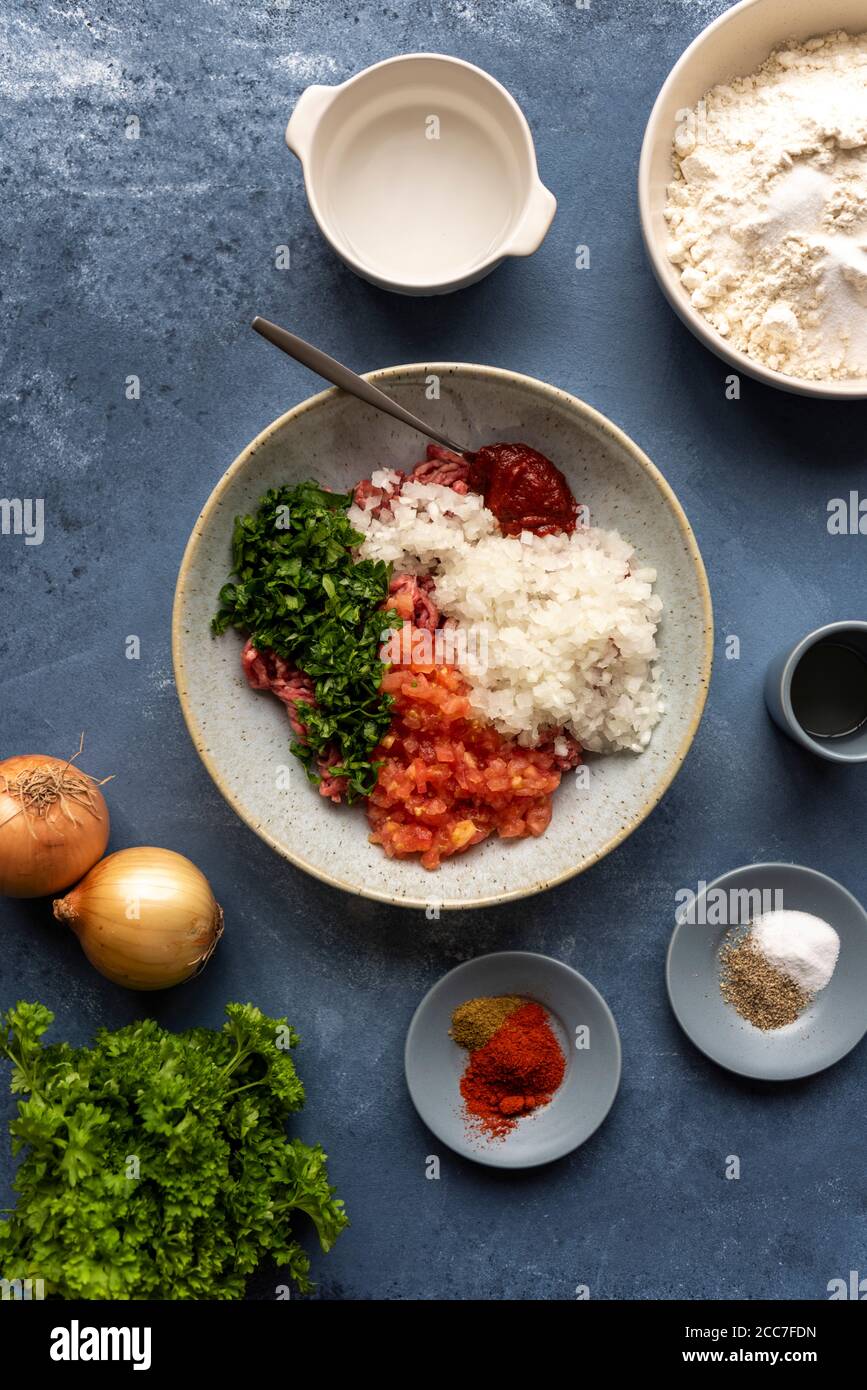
(335, 372)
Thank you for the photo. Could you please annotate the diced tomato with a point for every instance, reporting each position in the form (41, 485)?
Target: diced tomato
(447, 780)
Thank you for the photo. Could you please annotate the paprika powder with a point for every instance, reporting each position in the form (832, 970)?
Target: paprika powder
(514, 1073)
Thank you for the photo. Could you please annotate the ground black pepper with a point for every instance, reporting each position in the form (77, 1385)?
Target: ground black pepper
(761, 994)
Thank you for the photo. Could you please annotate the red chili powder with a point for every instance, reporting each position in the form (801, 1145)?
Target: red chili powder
(517, 1070)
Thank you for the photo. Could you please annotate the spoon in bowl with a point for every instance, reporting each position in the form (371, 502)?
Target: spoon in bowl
(338, 375)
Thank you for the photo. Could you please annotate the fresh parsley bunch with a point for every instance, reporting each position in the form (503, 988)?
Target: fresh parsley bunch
(156, 1164)
(298, 591)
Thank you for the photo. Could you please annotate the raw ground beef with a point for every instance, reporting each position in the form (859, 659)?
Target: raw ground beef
(266, 670)
(563, 748)
(329, 786)
(409, 595)
(440, 466)
(444, 467)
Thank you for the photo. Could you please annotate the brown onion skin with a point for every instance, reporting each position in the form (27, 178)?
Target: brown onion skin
(178, 929)
(32, 878)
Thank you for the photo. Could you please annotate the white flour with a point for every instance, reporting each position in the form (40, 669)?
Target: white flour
(768, 209)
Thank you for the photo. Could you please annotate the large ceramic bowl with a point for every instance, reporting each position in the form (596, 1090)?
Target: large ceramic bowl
(732, 46)
(243, 736)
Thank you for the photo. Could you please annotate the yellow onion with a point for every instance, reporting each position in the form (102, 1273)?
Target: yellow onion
(146, 918)
(54, 825)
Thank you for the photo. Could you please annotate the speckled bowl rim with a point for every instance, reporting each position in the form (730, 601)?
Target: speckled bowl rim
(501, 375)
(849, 389)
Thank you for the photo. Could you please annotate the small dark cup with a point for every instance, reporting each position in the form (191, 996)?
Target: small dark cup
(845, 747)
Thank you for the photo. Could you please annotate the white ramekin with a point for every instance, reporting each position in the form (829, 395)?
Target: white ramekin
(733, 46)
(421, 173)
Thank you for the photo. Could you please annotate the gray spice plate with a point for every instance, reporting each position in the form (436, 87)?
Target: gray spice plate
(835, 1022)
(434, 1063)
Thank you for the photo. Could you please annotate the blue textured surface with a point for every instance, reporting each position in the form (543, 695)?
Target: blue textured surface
(149, 257)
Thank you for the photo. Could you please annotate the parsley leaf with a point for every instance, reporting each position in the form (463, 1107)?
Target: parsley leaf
(156, 1164)
(297, 591)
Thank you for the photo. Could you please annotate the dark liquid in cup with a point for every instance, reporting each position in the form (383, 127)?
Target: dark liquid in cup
(829, 690)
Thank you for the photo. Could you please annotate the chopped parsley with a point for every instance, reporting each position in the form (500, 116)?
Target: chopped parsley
(298, 592)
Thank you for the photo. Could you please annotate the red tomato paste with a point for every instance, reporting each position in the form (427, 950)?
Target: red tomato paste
(523, 489)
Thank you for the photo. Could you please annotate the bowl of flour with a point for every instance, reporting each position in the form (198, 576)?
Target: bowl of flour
(753, 192)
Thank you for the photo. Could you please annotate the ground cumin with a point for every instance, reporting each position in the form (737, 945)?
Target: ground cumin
(475, 1022)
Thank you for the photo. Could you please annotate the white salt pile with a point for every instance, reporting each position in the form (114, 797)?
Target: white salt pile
(798, 945)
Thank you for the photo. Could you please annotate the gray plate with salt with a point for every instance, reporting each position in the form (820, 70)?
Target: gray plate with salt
(831, 1026)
